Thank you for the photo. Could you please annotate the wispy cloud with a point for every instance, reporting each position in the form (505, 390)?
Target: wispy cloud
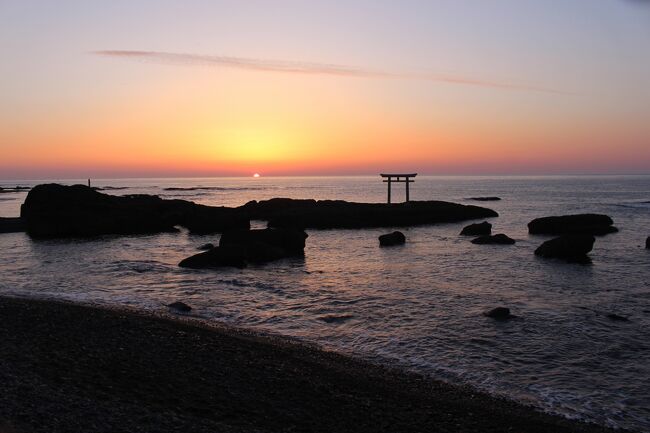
(267, 65)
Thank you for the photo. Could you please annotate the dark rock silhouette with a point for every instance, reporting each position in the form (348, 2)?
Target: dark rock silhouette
(589, 224)
(617, 318)
(647, 243)
(499, 313)
(498, 239)
(327, 214)
(11, 225)
(485, 198)
(63, 211)
(239, 247)
(180, 306)
(218, 257)
(573, 248)
(391, 239)
(206, 247)
(268, 244)
(484, 228)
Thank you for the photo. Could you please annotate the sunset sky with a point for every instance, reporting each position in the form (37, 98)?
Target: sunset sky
(211, 88)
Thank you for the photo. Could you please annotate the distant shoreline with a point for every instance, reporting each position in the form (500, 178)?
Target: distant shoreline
(70, 367)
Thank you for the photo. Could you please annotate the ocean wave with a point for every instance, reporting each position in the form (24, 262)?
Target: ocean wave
(635, 204)
(137, 266)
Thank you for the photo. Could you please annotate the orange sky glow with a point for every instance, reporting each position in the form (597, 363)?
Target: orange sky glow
(93, 114)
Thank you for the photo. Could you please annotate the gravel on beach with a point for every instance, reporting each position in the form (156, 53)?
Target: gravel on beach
(71, 368)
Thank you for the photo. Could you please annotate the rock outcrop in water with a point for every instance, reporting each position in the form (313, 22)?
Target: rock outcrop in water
(588, 224)
(499, 313)
(484, 228)
(180, 307)
(240, 247)
(392, 239)
(218, 257)
(617, 318)
(647, 243)
(14, 189)
(11, 225)
(63, 211)
(573, 248)
(485, 198)
(328, 214)
(54, 210)
(498, 239)
(268, 244)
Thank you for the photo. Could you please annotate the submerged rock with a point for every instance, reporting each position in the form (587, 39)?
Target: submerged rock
(573, 248)
(239, 247)
(617, 318)
(326, 214)
(589, 224)
(499, 313)
(498, 239)
(54, 210)
(391, 239)
(180, 306)
(484, 228)
(485, 198)
(647, 243)
(206, 247)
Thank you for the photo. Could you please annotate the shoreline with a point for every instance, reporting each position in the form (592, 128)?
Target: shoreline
(72, 367)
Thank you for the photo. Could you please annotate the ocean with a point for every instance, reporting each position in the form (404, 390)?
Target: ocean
(417, 306)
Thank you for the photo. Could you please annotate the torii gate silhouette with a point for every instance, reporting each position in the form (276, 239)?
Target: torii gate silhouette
(390, 178)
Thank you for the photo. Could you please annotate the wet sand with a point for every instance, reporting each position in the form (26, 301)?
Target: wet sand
(72, 368)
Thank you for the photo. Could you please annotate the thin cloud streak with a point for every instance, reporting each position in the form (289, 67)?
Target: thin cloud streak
(265, 65)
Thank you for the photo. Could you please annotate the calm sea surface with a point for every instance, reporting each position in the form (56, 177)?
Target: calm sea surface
(419, 305)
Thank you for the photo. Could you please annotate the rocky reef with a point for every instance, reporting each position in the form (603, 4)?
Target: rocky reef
(330, 214)
(53, 210)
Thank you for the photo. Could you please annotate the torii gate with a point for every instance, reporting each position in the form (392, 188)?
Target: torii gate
(390, 178)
